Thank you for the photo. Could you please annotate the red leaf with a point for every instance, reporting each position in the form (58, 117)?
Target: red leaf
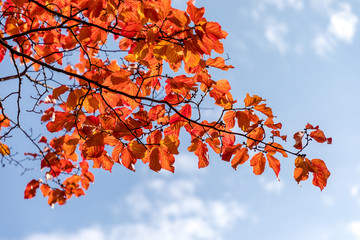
(309, 126)
(185, 111)
(30, 190)
(2, 53)
(43, 140)
(228, 151)
(200, 149)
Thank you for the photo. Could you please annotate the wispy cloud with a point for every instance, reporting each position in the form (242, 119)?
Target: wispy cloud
(341, 28)
(323, 44)
(354, 228)
(281, 4)
(91, 233)
(271, 186)
(275, 34)
(160, 209)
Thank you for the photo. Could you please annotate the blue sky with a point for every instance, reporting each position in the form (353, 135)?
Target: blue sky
(303, 57)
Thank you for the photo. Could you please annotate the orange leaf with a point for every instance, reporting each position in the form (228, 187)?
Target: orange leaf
(128, 159)
(170, 143)
(58, 91)
(241, 157)
(309, 126)
(4, 149)
(138, 149)
(229, 119)
(45, 189)
(229, 150)
(274, 164)
(103, 161)
(272, 148)
(270, 124)
(258, 163)
(302, 169)
(215, 144)
(184, 111)
(218, 62)
(30, 190)
(57, 196)
(200, 150)
(298, 139)
(243, 120)
(196, 14)
(203, 155)
(157, 112)
(320, 173)
(116, 152)
(318, 135)
(166, 160)
(252, 101)
(256, 136)
(265, 110)
(155, 159)
(222, 87)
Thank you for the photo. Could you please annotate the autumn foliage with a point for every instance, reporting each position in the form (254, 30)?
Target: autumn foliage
(101, 69)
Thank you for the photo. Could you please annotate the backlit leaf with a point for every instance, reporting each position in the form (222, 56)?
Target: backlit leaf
(30, 190)
(320, 172)
(240, 157)
(318, 135)
(258, 163)
(252, 101)
(274, 164)
(298, 140)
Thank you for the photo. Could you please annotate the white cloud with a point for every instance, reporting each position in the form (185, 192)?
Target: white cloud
(274, 33)
(93, 233)
(281, 4)
(272, 186)
(354, 191)
(328, 200)
(323, 44)
(160, 209)
(343, 23)
(354, 227)
(322, 5)
(342, 27)
(187, 163)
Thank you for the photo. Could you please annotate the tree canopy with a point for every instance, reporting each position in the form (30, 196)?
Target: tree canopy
(117, 81)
